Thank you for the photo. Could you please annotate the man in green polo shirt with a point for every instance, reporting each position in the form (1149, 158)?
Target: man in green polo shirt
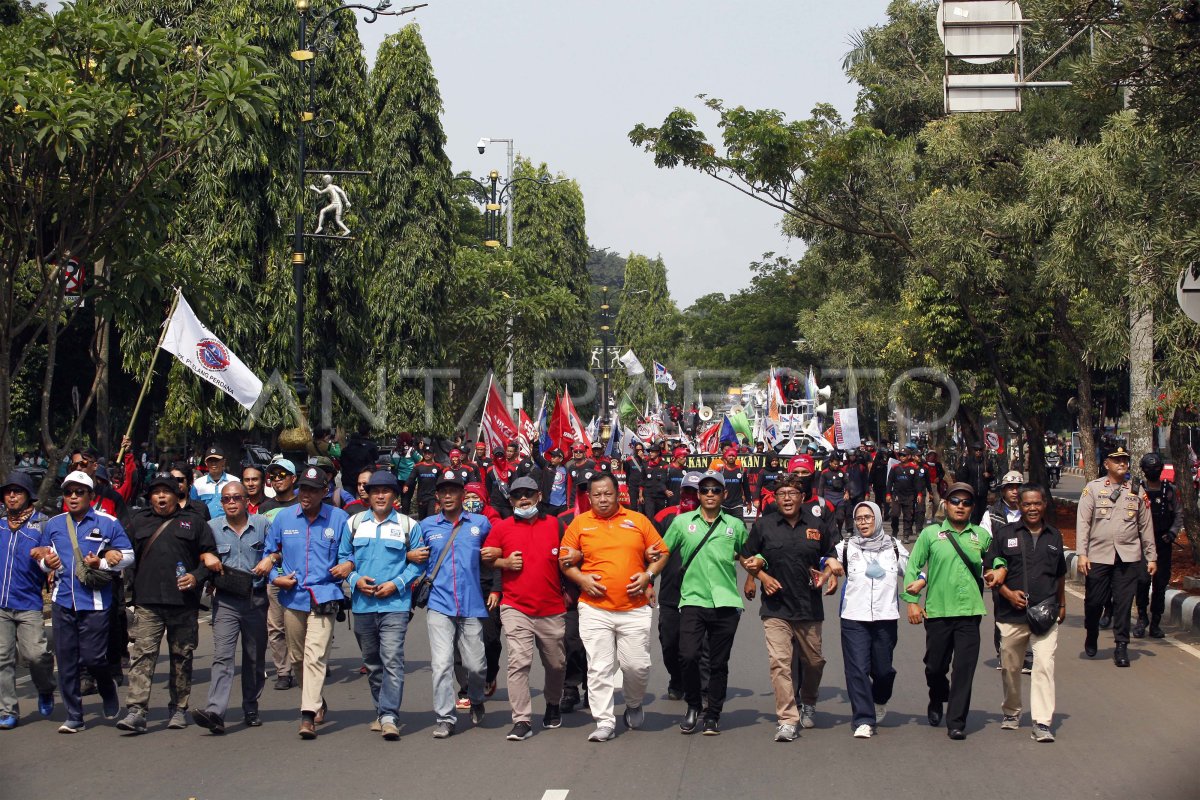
(708, 541)
(953, 605)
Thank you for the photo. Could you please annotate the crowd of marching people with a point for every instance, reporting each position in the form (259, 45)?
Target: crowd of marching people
(563, 555)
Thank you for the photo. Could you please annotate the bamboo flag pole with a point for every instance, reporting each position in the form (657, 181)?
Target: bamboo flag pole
(149, 376)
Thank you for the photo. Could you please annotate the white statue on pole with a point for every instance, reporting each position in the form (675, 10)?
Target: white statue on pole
(338, 199)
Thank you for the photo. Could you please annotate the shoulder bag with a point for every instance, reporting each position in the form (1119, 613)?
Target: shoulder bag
(966, 561)
(424, 587)
(90, 577)
(1040, 616)
(683, 570)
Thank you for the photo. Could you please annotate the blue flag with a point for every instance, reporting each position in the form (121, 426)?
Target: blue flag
(728, 434)
(614, 439)
(544, 442)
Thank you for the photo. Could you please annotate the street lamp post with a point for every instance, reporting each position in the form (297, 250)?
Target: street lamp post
(309, 46)
(604, 359)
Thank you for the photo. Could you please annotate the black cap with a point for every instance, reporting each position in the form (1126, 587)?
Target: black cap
(20, 480)
(383, 478)
(163, 479)
(314, 478)
(214, 452)
(1152, 462)
(448, 479)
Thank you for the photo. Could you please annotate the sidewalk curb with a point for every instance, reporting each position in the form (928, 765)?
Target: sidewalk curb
(1180, 608)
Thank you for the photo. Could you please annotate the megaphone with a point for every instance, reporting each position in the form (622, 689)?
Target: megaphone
(737, 409)
(824, 392)
(705, 413)
(821, 409)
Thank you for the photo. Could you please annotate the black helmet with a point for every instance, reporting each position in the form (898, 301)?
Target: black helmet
(1152, 463)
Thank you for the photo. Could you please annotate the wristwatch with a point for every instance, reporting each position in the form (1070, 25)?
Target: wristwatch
(652, 576)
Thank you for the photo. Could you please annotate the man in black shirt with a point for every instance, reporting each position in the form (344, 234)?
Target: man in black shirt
(791, 549)
(174, 550)
(1166, 509)
(422, 484)
(358, 454)
(653, 482)
(976, 470)
(1034, 570)
(579, 469)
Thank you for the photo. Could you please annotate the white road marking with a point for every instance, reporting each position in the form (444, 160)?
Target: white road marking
(556, 794)
(1184, 646)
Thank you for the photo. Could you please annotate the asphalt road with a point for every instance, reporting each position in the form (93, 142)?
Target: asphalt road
(1122, 733)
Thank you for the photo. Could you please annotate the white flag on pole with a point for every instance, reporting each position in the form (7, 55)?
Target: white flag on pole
(208, 357)
(631, 363)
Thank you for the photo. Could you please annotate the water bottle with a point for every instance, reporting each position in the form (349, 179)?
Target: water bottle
(180, 570)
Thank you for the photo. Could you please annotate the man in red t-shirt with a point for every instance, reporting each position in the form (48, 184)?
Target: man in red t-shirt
(533, 608)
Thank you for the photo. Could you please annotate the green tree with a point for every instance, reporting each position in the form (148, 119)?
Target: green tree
(102, 119)
(648, 321)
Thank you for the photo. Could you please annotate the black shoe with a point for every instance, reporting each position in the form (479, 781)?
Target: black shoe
(711, 728)
(208, 720)
(553, 717)
(1089, 646)
(691, 720)
(956, 734)
(934, 714)
(87, 686)
(1121, 656)
(252, 719)
(674, 694)
(284, 682)
(1105, 622)
(520, 732)
(1139, 628)
(1156, 632)
(570, 700)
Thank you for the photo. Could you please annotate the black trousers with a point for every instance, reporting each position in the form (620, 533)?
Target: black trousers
(716, 628)
(1152, 589)
(668, 640)
(653, 505)
(81, 645)
(951, 647)
(576, 672)
(1117, 582)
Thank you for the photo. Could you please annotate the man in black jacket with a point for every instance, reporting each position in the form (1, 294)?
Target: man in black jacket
(174, 551)
(358, 454)
(976, 471)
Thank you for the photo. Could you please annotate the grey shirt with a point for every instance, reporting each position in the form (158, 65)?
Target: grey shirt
(245, 551)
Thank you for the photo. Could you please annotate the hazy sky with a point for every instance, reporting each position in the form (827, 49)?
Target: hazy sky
(567, 80)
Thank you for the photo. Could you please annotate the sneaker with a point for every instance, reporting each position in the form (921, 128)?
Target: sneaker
(462, 704)
(207, 720)
(178, 720)
(477, 712)
(284, 682)
(111, 706)
(880, 713)
(603, 733)
(520, 732)
(570, 700)
(634, 718)
(8, 722)
(87, 686)
(807, 716)
(443, 730)
(863, 731)
(71, 726)
(711, 728)
(46, 704)
(785, 733)
(308, 729)
(1027, 668)
(134, 721)
(252, 720)
(553, 718)
(390, 731)
(1010, 723)
(1042, 733)
(376, 726)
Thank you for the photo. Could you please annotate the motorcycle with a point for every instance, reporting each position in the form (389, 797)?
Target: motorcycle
(1053, 469)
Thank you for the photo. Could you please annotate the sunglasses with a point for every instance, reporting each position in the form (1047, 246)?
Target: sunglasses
(83, 462)
(74, 492)
(233, 498)
(278, 476)
(522, 494)
(710, 490)
(960, 501)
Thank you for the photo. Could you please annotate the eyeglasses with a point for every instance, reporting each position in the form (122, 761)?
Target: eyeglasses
(710, 490)
(864, 519)
(960, 501)
(74, 492)
(780, 493)
(233, 498)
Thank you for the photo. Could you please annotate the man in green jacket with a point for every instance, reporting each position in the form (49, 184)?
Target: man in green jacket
(953, 605)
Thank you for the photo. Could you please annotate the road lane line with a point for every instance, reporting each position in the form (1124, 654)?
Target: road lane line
(1184, 646)
(556, 794)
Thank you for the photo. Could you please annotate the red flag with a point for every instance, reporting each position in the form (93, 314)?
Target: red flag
(829, 437)
(566, 428)
(496, 426)
(527, 433)
(710, 440)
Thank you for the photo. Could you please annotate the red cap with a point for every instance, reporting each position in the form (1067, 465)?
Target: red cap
(730, 452)
(680, 451)
(475, 487)
(802, 461)
(481, 445)
(578, 447)
(456, 452)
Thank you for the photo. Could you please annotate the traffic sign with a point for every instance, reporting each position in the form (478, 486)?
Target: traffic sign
(1187, 292)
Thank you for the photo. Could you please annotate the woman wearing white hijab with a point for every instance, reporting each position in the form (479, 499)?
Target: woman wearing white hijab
(874, 564)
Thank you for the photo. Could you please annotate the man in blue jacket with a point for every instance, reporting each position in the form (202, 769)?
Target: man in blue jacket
(456, 603)
(80, 613)
(21, 584)
(374, 544)
(302, 548)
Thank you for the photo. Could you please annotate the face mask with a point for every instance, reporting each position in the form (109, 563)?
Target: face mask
(874, 571)
(526, 513)
(473, 506)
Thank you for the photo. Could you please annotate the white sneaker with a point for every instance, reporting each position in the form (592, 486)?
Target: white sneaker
(807, 714)
(880, 713)
(785, 733)
(863, 731)
(603, 733)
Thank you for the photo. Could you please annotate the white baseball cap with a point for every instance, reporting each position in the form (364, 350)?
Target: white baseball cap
(80, 477)
(1012, 477)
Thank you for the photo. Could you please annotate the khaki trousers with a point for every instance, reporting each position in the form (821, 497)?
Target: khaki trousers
(523, 633)
(1015, 638)
(308, 640)
(276, 637)
(781, 634)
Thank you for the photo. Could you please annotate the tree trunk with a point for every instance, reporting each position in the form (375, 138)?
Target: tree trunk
(1181, 428)
(6, 440)
(103, 334)
(1035, 436)
(1141, 365)
(1087, 436)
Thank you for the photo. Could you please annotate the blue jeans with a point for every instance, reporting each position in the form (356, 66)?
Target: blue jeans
(867, 652)
(443, 631)
(381, 639)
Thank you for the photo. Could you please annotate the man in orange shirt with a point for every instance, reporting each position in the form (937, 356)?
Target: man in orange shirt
(615, 579)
